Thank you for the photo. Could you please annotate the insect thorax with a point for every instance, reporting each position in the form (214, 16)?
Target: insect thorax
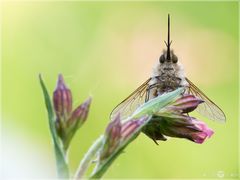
(166, 81)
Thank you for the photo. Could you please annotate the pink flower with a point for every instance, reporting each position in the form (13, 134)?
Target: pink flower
(174, 122)
(181, 127)
(204, 132)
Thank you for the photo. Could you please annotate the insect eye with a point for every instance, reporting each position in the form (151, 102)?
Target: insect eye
(162, 59)
(174, 59)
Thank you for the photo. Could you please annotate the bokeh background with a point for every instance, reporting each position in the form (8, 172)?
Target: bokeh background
(107, 49)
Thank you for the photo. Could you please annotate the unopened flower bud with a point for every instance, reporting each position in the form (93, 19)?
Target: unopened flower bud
(113, 136)
(186, 104)
(130, 127)
(62, 100)
(79, 115)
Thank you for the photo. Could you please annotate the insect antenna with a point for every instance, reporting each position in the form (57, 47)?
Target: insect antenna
(168, 43)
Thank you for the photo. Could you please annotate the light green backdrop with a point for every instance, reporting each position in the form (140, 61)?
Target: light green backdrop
(107, 49)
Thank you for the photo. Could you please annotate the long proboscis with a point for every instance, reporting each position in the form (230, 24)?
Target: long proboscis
(168, 41)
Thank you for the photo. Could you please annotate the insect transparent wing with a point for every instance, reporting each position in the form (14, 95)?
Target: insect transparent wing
(208, 108)
(132, 102)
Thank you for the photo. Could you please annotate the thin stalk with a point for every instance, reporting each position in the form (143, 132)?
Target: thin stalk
(62, 164)
(87, 159)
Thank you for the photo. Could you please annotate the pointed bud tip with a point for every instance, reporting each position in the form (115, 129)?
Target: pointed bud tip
(86, 104)
(81, 112)
(200, 101)
(116, 122)
(88, 101)
(197, 99)
(60, 82)
(62, 99)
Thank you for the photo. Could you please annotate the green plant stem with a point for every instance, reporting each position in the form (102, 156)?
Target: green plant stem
(62, 165)
(100, 169)
(88, 157)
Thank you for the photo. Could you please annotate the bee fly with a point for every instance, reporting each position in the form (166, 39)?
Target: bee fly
(167, 76)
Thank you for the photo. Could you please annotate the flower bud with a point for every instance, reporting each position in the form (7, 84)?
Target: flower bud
(186, 104)
(184, 127)
(130, 127)
(79, 115)
(113, 136)
(171, 121)
(62, 100)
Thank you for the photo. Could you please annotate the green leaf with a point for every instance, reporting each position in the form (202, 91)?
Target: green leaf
(62, 167)
(154, 105)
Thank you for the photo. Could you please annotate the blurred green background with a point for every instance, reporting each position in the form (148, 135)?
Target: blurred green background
(107, 49)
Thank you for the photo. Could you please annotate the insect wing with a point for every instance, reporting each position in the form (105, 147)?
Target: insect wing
(208, 108)
(132, 102)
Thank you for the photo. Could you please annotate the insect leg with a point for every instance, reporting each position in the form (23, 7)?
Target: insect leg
(148, 90)
(156, 77)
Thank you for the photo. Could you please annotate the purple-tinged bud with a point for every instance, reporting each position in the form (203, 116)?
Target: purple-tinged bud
(171, 121)
(79, 115)
(113, 136)
(186, 104)
(62, 100)
(130, 127)
(113, 131)
(184, 127)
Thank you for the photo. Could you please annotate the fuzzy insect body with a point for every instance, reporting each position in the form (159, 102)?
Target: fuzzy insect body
(166, 76)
